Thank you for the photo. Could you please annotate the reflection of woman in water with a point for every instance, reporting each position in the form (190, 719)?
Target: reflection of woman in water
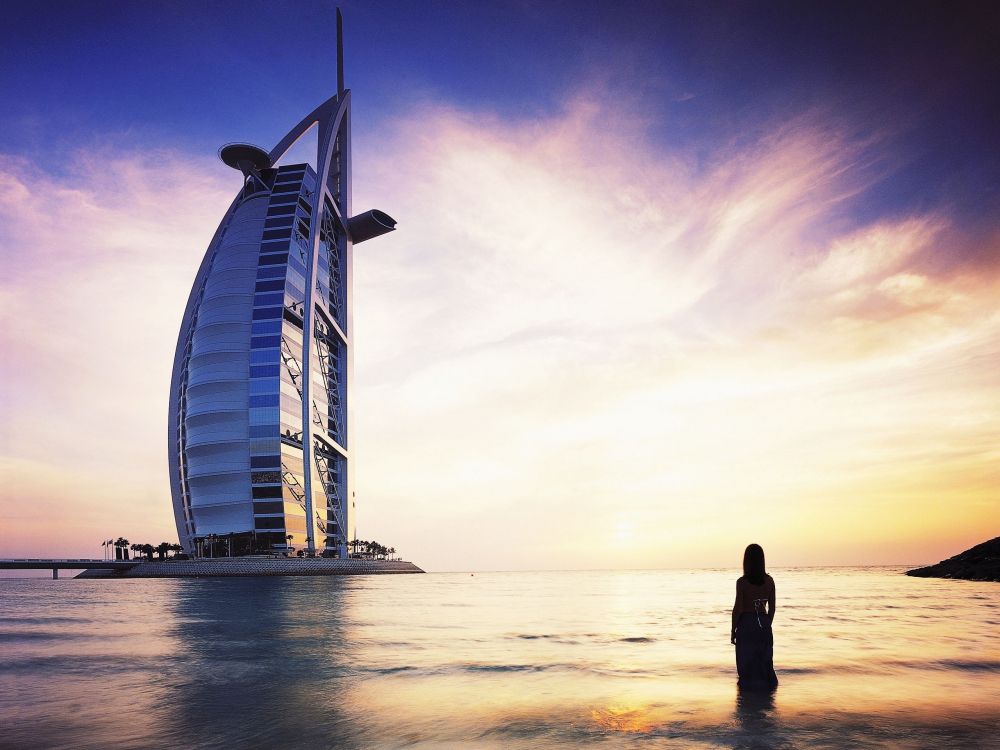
(752, 616)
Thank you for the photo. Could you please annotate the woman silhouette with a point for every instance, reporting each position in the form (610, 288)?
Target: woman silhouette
(752, 616)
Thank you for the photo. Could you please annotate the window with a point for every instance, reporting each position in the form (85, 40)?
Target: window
(270, 286)
(267, 492)
(275, 234)
(264, 385)
(278, 507)
(264, 447)
(295, 277)
(266, 313)
(269, 523)
(271, 259)
(266, 415)
(296, 265)
(264, 357)
(265, 477)
(264, 342)
(265, 371)
(270, 272)
(265, 462)
(265, 326)
(263, 430)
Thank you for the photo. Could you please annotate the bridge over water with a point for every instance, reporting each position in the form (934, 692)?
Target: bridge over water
(55, 565)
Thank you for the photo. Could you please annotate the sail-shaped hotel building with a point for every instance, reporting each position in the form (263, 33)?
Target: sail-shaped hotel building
(260, 418)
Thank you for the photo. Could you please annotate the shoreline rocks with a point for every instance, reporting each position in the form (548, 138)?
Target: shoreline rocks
(980, 563)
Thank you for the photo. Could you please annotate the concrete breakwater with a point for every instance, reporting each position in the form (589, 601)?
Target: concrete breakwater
(256, 566)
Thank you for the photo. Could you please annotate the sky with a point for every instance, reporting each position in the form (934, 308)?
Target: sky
(669, 278)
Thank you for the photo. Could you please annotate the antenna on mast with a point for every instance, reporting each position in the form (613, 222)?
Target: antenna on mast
(340, 53)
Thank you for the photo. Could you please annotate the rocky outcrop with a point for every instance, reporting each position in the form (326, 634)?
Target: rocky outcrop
(981, 563)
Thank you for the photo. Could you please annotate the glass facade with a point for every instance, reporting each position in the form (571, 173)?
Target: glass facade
(240, 467)
(260, 420)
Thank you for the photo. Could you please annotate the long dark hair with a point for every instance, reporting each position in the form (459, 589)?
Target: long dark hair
(753, 564)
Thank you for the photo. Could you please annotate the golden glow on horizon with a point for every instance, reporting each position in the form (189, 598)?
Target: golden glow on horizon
(583, 352)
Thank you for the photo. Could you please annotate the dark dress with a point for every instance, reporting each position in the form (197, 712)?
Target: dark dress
(755, 652)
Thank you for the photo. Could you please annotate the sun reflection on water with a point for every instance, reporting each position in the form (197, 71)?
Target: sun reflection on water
(628, 719)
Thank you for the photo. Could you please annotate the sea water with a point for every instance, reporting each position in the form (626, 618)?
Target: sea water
(866, 658)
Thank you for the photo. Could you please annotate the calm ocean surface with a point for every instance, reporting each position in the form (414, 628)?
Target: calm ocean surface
(866, 658)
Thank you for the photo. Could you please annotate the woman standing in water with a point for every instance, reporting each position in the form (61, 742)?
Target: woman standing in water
(752, 616)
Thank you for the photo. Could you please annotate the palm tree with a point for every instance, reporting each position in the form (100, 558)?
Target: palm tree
(162, 548)
(121, 543)
(148, 550)
(175, 548)
(136, 549)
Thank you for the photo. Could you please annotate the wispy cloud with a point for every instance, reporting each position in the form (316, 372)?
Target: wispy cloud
(580, 349)
(98, 263)
(576, 329)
